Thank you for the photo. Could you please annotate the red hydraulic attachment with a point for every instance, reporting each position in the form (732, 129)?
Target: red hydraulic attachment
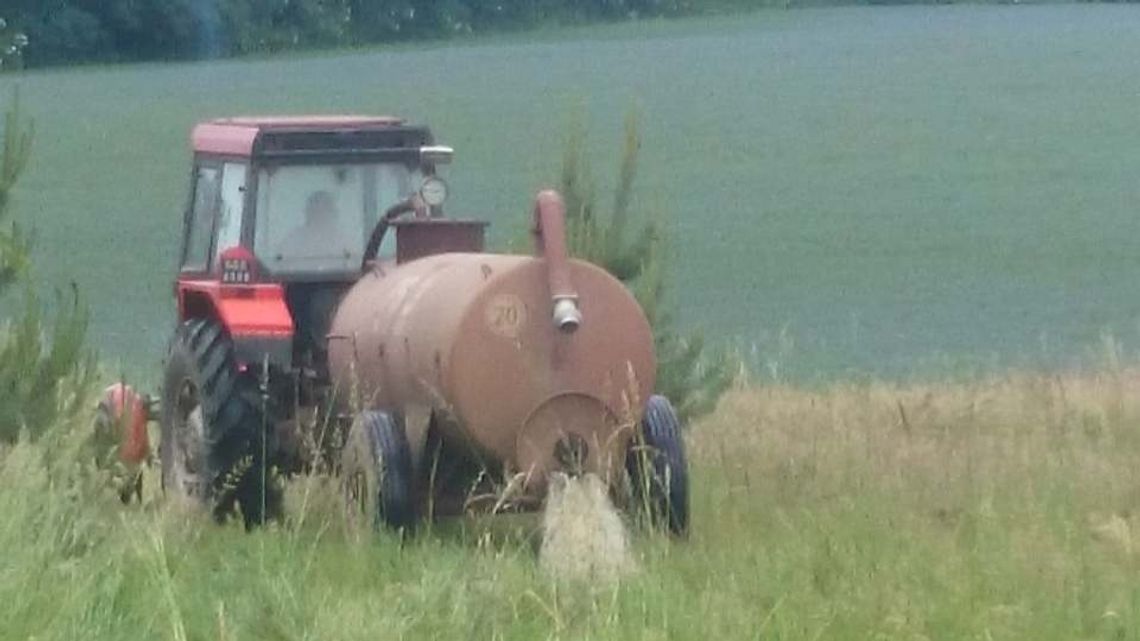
(126, 413)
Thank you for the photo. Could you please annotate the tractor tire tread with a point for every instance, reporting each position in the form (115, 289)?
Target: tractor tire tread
(232, 421)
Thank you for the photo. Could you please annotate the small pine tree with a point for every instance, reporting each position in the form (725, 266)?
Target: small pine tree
(35, 369)
(691, 376)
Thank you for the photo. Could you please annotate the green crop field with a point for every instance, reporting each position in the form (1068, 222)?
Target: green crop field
(887, 191)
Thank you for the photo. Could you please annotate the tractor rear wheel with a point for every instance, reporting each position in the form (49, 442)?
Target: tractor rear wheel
(657, 467)
(213, 447)
(376, 471)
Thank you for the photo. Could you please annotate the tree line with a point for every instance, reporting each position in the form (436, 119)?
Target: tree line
(55, 32)
(81, 31)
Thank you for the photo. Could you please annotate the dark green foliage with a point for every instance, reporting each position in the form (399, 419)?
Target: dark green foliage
(34, 367)
(688, 374)
(12, 44)
(69, 34)
(81, 31)
(78, 31)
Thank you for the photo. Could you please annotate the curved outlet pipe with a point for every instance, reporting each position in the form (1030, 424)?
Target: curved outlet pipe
(550, 244)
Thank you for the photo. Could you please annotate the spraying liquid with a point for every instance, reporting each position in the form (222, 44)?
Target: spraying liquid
(583, 536)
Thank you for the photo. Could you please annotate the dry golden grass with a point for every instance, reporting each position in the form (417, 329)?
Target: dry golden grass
(1003, 507)
(1006, 508)
(938, 445)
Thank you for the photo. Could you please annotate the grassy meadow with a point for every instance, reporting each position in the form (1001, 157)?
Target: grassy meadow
(852, 191)
(1000, 509)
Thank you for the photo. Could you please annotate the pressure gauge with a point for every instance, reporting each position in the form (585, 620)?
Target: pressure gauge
(433, 191)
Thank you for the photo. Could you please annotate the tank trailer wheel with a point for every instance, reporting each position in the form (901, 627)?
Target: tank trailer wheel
(376, 473)
(657, 467)
(212, 428)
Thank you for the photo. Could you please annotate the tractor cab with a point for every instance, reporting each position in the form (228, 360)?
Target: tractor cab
(285, 213)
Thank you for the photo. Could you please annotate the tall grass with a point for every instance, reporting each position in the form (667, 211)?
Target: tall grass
(1006, 508)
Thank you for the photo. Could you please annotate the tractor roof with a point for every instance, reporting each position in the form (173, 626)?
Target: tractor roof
(237, 136)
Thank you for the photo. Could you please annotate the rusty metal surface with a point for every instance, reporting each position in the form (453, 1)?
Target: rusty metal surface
(420, 237)
(550, 242)
(471, 335)
(573, 432)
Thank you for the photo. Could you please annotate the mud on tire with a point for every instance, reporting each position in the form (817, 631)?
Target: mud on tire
(212, 429)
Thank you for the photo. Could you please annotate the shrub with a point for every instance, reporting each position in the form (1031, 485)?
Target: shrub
(37, 358)
(632, 248)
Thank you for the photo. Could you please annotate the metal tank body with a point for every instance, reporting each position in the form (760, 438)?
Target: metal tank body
(470, 337)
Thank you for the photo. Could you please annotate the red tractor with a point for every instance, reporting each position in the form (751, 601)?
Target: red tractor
(328, 312)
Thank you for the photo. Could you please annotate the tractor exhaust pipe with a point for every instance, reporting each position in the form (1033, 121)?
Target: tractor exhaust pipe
(550, 244)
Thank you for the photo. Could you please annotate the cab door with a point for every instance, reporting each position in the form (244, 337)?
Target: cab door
(198, 223)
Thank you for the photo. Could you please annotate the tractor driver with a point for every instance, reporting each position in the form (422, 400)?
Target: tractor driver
(321, 235)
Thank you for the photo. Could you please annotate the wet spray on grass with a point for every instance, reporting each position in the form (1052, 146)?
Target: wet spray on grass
(583, 537)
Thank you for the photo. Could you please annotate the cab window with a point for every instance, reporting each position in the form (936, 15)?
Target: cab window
(200, 222)
(317, 218)
(230, 214)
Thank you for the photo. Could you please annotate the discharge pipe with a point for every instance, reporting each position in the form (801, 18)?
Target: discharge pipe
(550, 244)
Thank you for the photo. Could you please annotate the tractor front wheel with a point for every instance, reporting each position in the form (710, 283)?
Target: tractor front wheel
(213, 438)
(657, 467)
(376, 471)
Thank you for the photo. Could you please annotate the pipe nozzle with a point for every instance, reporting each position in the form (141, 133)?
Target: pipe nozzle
(567, 316)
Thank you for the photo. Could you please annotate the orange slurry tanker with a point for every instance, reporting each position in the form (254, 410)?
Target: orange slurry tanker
(331, 316)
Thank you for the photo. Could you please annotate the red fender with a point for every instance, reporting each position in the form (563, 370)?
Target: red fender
(244, 310)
